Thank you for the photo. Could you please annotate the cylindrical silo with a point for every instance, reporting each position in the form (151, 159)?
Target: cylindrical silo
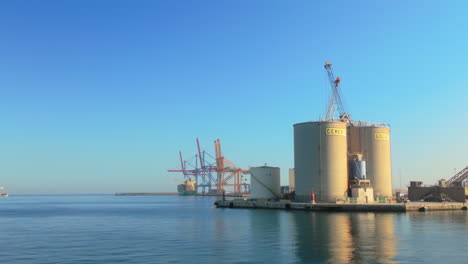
(358, 166)
(320, 160)
(292, 182)
(264, 182)
(379, 164)
(361, 169)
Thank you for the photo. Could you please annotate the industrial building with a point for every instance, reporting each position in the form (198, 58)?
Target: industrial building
(453, 190)
(335, 159)
(339, 158)
(331, 158)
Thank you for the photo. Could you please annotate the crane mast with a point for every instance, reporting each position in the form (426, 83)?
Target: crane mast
(335, 104)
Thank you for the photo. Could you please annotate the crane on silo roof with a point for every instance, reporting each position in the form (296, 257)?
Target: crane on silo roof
(335, 104)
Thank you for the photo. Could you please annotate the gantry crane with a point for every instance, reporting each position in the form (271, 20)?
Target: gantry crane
(226, 171)
(227, 174)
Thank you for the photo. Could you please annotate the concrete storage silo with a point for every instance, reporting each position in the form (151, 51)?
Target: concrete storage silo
(379, 164)
(358, 167)
(292, 186)
(265, 182)
(320, 160)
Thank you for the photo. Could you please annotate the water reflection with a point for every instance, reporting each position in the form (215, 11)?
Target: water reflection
(456, 216)
(270, 233)
(344, 238)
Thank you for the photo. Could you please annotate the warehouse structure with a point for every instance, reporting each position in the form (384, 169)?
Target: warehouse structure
(454, 189)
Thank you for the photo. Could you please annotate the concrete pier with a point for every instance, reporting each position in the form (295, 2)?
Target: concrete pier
(349, 207)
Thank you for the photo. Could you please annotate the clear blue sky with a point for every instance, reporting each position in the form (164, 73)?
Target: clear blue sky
(99, 96)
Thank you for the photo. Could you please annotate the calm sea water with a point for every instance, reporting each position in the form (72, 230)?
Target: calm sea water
(176, 229)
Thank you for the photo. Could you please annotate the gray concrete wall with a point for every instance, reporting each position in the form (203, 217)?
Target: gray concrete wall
(455, 193)
(376, 207)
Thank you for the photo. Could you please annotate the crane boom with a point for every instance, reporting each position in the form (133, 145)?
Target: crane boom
(182, 166)
(336, 103)
(202, 165)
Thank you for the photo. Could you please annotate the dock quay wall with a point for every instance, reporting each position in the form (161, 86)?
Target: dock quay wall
(374, 207)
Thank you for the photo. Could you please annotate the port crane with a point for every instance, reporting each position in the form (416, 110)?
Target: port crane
(226, 170)
(335, 108)
(213, 173)
(198, 169)
(336, 103)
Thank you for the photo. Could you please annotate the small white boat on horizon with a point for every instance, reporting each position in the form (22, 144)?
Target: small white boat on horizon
(3, 194)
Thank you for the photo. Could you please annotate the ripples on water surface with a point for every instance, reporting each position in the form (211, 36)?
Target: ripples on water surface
(174, 229)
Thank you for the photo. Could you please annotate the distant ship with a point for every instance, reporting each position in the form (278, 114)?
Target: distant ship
(187, 188)
(3, 194)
